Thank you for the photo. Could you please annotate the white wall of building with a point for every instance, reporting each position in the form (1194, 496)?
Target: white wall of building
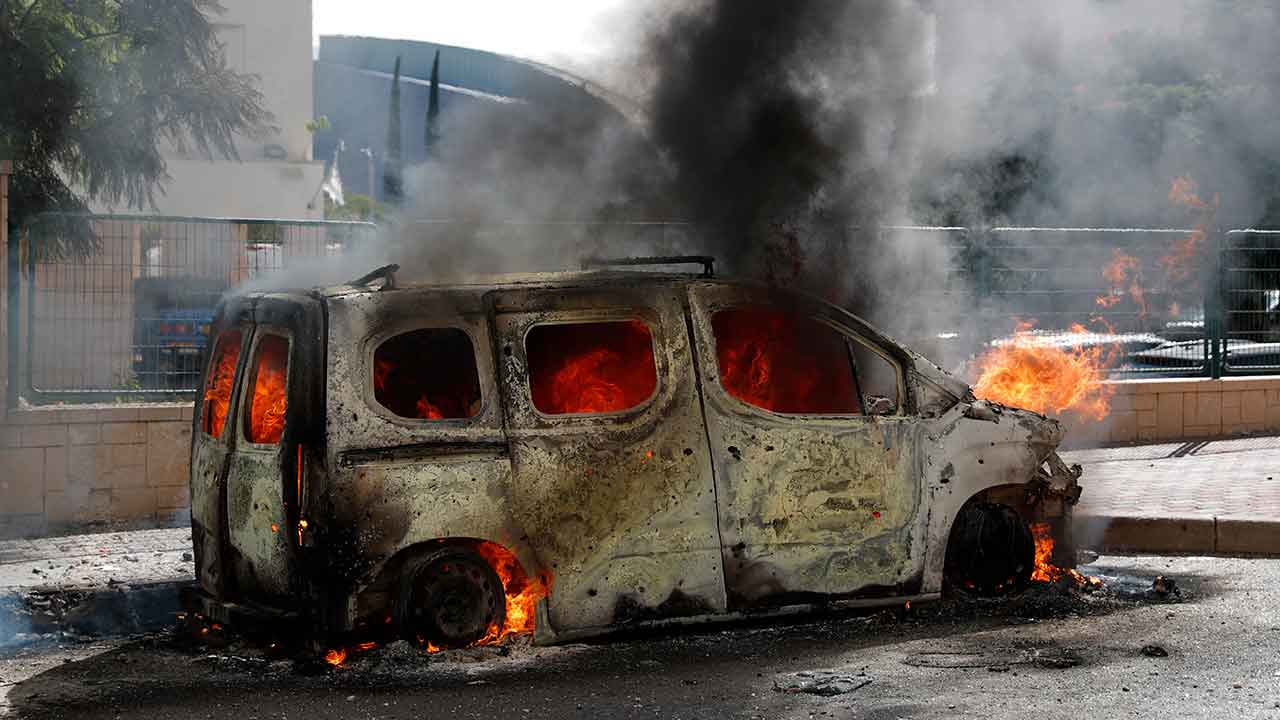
(276, 177)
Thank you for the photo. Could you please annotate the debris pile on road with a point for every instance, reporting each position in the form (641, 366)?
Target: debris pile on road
(821, 682)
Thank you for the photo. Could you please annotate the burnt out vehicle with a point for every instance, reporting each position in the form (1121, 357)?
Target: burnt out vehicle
(575, 453)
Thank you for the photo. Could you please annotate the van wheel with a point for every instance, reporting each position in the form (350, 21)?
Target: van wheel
(991, 551)
(450, 598)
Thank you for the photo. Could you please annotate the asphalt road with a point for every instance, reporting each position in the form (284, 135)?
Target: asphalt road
(1048, 654)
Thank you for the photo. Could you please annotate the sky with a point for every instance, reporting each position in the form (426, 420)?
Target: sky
(548, 31)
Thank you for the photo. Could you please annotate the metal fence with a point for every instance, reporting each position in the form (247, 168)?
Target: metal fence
(1180, 302)
(1249, 272)
(130, 318)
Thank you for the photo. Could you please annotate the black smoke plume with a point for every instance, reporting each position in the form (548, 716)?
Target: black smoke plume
(784, 123)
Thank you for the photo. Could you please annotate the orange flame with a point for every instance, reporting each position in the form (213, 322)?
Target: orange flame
(1124, 274)
(222, 372)
(591, 367)
(1045, 571)
(427, 411)
(336, 656)
(1180, 264)
(427, 375)
(1185, 193)
(1029, 374)
(755, 348)
(523, 593)
(266, 412)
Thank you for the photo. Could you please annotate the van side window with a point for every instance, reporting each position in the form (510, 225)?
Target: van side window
(268, 404)
(427, 374)
(219, 379)
(596, 367)
(878, 381)
(784, 362)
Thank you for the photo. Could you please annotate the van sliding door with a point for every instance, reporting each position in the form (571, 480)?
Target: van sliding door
(611, 472)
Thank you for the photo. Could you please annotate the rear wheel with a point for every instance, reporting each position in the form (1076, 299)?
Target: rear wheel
(450, 598)
(991, 551)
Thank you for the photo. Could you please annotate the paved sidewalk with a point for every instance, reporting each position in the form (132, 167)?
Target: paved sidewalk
(96, 561)
(1214, 497)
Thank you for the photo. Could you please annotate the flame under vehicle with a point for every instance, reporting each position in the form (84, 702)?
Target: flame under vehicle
(574, 453)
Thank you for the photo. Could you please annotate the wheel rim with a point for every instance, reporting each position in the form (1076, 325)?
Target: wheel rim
(455, 601)
(991, 551)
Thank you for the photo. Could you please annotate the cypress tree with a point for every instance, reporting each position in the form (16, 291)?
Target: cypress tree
(392, 164)
(433, 107)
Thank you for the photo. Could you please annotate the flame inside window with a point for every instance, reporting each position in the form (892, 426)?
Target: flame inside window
(266, 411)
(784, 362)
(427, 374)
(596, 367)
(220, 380)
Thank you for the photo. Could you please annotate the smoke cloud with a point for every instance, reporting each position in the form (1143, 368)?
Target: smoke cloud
(784, 135)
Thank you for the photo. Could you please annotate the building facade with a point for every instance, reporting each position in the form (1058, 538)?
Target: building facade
(276, 176)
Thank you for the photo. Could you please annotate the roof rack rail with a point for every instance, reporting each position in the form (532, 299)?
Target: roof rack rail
(706, 261)
(386, 273)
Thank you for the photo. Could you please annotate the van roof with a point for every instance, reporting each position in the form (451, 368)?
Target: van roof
(515, 280)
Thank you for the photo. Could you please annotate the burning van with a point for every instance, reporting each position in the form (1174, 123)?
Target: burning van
(574, 453)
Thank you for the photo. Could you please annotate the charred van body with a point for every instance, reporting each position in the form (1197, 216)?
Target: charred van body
(572, 453)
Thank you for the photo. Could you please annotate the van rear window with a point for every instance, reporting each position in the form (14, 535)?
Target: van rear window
(270, 399)
(219, 379)
(427, 374)
(598, 367)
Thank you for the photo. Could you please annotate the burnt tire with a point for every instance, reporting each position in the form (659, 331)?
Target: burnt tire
(450, 598)
(990, 552)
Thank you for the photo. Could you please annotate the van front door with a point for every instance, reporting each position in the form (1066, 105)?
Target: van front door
(612, 478)
(817, 496)
(275, 432)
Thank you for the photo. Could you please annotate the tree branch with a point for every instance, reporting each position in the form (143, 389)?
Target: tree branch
(23, 20)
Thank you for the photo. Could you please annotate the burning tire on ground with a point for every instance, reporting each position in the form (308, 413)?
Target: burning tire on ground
(991, 551)
(450, 598)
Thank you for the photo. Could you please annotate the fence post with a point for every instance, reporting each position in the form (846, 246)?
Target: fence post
(1214, 306)
(6, 283)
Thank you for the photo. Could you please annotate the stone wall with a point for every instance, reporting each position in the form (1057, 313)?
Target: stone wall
(77, 465)
(1185, 409)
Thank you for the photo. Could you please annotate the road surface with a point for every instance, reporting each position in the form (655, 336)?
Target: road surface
(1214, 652)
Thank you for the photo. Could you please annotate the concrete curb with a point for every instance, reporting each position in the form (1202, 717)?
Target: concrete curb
(1196, 535)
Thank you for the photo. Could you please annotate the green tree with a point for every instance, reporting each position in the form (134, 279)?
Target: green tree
(433, 108)
(392, 165)
(91, 92)
(357, 207)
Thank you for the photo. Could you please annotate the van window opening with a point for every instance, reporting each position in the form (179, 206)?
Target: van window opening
(427, 374)
(784, 362)
(270, 399)
(219, 380)
(597, 367)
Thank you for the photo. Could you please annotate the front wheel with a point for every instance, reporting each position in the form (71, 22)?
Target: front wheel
(990, 552)
(450, 598)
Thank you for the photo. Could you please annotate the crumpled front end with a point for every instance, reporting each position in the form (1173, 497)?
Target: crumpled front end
(981, 453)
